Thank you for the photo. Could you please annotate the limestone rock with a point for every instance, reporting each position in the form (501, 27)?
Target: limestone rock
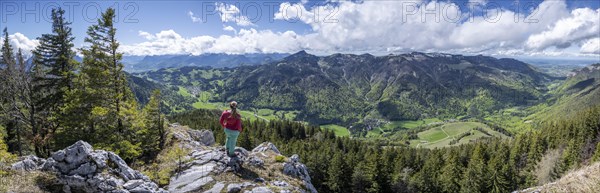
(261, 189)
(82, 169)
(216, 188)
(266, 146)
(29, 163)
(296, 169)
(234, 188)
(192, 178)
(203, 136)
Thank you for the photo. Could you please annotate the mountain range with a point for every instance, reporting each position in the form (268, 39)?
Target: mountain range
(348, 89)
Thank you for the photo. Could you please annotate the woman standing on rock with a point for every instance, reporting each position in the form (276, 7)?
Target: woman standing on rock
(231, 121)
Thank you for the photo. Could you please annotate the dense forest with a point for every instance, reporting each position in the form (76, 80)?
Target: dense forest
(56, 100)
(488, 165)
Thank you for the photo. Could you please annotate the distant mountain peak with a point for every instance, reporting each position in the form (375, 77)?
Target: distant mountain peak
(301, 52)
(301, 55)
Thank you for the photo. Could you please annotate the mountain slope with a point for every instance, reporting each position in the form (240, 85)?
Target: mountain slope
(171, 100)
(580, 90)
(347, 88)
(584, 180)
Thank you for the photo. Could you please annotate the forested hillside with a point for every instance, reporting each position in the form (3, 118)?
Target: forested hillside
(359, 91)
(489, 165)
(581, 89)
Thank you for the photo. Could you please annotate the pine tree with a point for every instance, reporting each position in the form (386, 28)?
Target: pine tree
(475, 177)
(9, 103)
(52, 77)
(154, 132)
(450, 176)
(361, 181)
(337, 180)
(102, 106)
(500, 171)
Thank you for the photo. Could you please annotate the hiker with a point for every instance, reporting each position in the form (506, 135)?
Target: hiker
(231, 121)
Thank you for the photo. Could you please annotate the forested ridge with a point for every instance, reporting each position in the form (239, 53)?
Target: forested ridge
(487, 165)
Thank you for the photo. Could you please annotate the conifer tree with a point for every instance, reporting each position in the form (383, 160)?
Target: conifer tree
(102, 105)
(337, 180)
(499, 171)
(475, 176)
(154, 132)
(9, 100)
(450, 176)
(52, 77)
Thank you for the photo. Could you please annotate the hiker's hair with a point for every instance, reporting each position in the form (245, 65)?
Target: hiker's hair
(233, 106)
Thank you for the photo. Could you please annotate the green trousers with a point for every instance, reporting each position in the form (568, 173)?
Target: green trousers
(231, 140)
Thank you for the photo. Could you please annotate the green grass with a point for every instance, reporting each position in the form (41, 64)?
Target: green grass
(184, 92)
(441, 136)
(409, 124)
(265, 112)
(204, 105)
(432, 135)
(245, 114)
(338, 130)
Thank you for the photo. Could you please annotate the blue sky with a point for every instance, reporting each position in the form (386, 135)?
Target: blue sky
(535, 28)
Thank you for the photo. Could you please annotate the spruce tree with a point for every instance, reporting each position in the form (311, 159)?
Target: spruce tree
(475, 176)
(451, 173)
(154, 132)
(9, 103)
(102, 106)
(499, 171)
(53, 72)
(337, 180)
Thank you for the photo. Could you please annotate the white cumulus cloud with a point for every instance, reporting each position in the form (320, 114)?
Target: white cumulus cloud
(396, 26)
(581, 25)
(194, 18)
(20, 41)
(245, 41)
(231, 13)
(592, 46)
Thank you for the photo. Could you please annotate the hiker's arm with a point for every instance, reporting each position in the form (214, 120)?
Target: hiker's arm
(222, 119)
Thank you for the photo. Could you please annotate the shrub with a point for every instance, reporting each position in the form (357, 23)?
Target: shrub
(279, 158)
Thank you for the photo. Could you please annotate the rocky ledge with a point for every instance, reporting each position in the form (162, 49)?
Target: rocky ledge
(82, 169)
(263, 170)
(206, 168)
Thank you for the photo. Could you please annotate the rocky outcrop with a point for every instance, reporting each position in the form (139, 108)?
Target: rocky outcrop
(192, 139)
(209, 169)
(266, 146)
(81, 168)
(296, 169)
(206, 168)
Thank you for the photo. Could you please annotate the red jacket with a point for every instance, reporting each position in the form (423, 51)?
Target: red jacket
(232, 123)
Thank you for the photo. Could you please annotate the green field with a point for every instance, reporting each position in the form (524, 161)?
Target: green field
(204, 105)
(338, 130)
(409, 124)
(266, 115)
(389, 127)
(441, 136)
(183, 92)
